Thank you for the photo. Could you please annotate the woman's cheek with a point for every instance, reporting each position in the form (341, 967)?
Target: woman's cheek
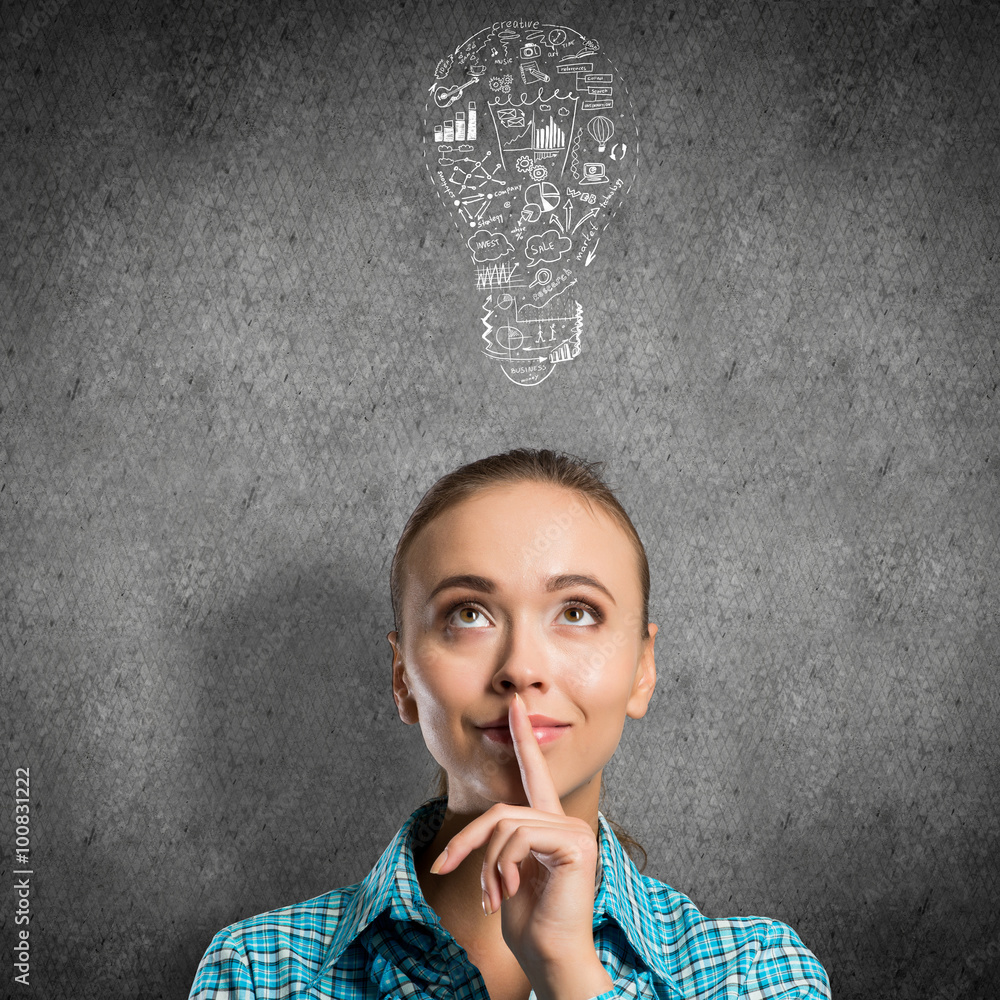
(455, 678)
(433, 671)
(594, 663)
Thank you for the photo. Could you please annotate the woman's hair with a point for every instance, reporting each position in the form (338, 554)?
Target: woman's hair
(519, 466)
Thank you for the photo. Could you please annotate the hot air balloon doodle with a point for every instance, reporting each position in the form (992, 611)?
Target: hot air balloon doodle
(602, 129)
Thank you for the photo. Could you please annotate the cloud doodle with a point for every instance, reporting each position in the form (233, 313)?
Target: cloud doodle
(488, 246)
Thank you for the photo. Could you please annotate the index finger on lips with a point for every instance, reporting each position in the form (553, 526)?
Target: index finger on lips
(535, 774)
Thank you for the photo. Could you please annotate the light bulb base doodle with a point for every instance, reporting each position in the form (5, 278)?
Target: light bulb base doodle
(531, 143)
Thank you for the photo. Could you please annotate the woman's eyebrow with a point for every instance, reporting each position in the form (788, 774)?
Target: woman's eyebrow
(578, 580)
(469, 580)
(484, 586)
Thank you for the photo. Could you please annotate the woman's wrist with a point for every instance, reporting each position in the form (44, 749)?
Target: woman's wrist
(572, 978)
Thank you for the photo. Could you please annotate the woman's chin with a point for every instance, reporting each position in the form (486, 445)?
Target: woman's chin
(486, 791)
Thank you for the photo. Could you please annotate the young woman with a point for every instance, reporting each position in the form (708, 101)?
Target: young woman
(520, 590)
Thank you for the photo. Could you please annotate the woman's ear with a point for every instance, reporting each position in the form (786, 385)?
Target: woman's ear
(645, 678)
(405, 704)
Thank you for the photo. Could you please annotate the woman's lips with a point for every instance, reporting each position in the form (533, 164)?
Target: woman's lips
(544, 734)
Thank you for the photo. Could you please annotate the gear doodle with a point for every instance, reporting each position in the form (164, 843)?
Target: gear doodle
(539, 173)
(523, 164)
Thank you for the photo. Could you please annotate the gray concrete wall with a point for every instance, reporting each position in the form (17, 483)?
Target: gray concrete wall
(240, 336)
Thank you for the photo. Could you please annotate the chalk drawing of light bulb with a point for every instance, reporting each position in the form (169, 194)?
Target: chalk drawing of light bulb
(531, 143)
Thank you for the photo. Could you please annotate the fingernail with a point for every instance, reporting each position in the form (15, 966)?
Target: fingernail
(487, 903)
(439, 863)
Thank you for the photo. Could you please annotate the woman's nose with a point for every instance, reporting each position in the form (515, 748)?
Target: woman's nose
(522, 660)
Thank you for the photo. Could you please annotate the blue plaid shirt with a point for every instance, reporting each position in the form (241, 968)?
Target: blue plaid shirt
(379, 940)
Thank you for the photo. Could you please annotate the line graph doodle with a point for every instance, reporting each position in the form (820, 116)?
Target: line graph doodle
(499, 275)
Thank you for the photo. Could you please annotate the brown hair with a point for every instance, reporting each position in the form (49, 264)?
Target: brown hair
(517, 466)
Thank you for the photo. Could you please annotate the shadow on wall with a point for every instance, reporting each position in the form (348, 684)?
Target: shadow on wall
(887, 901)
(299, 771)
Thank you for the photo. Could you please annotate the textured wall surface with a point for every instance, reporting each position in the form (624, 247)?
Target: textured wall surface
(240, 337)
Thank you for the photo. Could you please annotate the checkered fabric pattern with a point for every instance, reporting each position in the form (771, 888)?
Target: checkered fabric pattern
(380, 939)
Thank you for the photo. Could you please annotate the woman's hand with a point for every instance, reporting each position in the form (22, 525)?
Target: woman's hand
(539, 872)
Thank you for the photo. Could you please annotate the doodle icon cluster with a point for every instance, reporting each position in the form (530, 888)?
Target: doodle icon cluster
(531, 142)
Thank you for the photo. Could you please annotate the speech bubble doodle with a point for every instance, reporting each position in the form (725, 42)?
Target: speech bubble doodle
(547, 247)
(488, 246)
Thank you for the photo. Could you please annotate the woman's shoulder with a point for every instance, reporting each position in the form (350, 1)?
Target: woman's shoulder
(681, 913)
(670, 913)
(759, 950)
(277, 949)
(279, 953)
(318, 911)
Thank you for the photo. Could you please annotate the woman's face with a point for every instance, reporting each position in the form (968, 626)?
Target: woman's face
(522, 588)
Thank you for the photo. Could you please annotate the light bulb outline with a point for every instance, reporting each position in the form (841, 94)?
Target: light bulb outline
(512, 149)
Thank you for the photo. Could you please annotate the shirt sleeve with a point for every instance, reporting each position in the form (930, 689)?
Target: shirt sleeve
(627, 988)
(785, 969)
(637, 986)
(224, 972)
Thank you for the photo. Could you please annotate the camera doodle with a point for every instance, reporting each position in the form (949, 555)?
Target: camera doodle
(531, 143)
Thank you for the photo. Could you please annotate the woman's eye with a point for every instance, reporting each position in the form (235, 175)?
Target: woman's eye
(468, 617)
(576, 615)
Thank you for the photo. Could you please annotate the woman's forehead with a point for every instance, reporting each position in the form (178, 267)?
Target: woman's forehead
(527, 525)
(526, 507)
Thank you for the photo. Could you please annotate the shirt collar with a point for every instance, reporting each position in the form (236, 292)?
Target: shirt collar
(392, 883)
(623, 896)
